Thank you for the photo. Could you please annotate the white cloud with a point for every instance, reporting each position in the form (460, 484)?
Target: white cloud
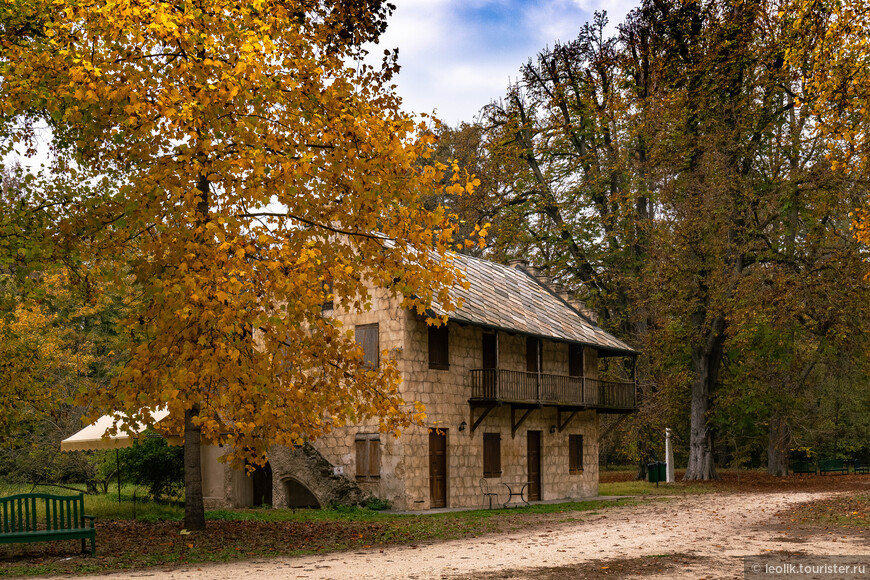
(458, 55)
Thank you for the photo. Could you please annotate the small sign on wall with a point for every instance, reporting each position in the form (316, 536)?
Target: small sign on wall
(338, 470)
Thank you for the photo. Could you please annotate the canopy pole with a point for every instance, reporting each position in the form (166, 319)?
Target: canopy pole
(118, 467)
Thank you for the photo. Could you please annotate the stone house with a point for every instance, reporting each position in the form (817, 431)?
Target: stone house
(512, 394)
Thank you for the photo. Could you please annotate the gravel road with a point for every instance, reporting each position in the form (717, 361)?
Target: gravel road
(702, 536)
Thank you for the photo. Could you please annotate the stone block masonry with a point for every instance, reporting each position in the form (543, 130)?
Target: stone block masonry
(404, 463)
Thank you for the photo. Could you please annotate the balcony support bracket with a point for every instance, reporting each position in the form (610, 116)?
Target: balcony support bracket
(476, 422)
(516, 424)
(559, 419)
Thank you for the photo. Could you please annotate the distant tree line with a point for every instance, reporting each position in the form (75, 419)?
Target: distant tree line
(678, 177)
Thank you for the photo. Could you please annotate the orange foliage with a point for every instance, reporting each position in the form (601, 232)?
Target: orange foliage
(254, 171)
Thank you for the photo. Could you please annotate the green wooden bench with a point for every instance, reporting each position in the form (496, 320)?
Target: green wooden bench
(860, 467)
(832, 466)
(802, 467)
(39, 517)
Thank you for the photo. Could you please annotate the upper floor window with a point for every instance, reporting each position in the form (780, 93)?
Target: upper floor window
(328, 297)
(367, 338)
(439, 347)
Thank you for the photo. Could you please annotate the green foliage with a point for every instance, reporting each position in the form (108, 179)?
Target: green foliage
(41, 464)
(155, 464)
(672, 178)
(377, 504)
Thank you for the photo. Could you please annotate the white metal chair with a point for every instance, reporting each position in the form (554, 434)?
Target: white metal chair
(488, 494)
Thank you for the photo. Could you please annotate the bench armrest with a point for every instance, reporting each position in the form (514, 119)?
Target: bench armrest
(91, 518)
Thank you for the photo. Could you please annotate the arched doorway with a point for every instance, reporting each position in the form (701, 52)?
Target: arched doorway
(299, 496)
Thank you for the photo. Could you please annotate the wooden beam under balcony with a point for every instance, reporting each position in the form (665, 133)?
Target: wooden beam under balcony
(559, 418)
(487, 408)
(516, 424)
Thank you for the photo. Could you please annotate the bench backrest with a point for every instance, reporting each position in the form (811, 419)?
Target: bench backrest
(21, 513)
(831, 464)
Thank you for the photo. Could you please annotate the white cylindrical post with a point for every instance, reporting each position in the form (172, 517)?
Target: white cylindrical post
(669, 456)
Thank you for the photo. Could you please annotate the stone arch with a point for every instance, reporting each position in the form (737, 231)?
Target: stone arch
(298, 495)
(304, 468)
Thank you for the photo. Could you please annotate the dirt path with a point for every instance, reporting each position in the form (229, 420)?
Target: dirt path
(689, 537)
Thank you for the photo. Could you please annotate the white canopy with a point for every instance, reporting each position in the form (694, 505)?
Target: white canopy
(91, 437)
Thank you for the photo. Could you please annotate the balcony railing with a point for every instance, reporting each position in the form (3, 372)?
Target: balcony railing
(504, 386)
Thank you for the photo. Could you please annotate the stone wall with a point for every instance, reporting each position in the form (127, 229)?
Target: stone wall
(404, 469)
(445, 394)
(338, 447)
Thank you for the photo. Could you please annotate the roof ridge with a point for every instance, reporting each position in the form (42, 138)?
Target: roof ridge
(513, 298)
(559, 297)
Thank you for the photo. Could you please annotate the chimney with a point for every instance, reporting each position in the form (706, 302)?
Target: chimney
(581, 307)
(554, 287)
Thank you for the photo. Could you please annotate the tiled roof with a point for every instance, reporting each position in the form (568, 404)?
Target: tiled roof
(511, 299)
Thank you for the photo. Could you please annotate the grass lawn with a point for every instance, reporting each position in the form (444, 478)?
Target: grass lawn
(841, 511)
(155, 537)
(125, 544)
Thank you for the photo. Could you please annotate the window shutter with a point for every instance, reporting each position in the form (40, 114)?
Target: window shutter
(374, 459)
(362, 460)
(439, 347)
(367, 338)
(575, 453)
(491, 455)
(368, 456)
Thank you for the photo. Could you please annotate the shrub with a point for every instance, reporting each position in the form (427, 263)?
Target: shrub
(154, 463)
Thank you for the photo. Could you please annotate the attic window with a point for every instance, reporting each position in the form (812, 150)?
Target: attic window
(439, 347)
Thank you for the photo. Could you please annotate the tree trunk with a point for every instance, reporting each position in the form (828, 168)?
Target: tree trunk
(777, 446)
(705, 362)
(194, 510)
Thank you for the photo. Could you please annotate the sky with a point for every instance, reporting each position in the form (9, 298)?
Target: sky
(458, 55)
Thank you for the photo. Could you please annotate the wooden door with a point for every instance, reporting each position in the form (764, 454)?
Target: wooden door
(490, 364)
(533, 355)
(437, 468)
(534, 458)
(532, 388)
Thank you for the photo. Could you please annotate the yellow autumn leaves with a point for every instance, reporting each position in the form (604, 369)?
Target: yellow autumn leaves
(246, 163)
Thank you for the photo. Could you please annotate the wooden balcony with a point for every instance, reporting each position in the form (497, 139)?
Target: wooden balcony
(497, 386)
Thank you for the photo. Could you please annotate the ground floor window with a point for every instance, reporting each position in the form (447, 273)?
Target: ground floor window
(491, 455)
(368, 456)
(575, 453)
